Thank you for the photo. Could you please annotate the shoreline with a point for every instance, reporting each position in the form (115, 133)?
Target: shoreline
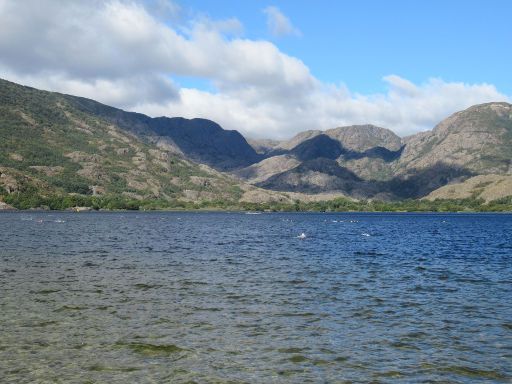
(206, 210)
(108, 203)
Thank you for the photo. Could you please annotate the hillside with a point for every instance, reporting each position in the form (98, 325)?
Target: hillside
(55, 147)
(478, 139)
(366, 161)
(200, 140)
(59, 145)
(484, 187)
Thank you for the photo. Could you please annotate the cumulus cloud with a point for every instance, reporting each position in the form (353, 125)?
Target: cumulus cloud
(124, 54)
(120, 92)
(117, 40)
(278, 24)
(329, 106)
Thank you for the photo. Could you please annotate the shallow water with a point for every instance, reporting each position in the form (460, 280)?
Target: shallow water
(230, 297)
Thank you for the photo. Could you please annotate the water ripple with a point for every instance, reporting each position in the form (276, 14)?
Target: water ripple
(235, 298)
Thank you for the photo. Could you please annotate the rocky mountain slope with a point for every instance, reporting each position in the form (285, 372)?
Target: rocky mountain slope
(49, 144)
(485, 187)
(370, 162)
(478, 139)
(200, 140)
(54, 144)
(60, 144)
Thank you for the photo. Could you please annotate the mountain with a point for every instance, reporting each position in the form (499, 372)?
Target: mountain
(354, 138)
(200, 140)
(48, 143)
(478, 139)
(366, 161)
(267, 168)
(60, 145)
(70, 147)
(365, 150)
(313, 176)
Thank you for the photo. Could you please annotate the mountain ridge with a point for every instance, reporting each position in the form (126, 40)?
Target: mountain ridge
(49, 148)
(225, 149)
(72, 145)
(475, 141)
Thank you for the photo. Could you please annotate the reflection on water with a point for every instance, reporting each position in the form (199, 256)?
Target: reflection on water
(228, 297)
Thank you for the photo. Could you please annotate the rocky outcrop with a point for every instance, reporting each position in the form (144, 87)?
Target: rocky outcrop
(361, 138)
(8, 182)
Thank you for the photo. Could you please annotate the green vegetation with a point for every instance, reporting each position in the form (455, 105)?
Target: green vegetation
(30, 198)
(345, 205)
(49, 147)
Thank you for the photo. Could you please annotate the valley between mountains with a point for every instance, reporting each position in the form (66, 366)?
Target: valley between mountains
(59, 151)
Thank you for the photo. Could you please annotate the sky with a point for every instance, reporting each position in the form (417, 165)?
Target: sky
(268, 69)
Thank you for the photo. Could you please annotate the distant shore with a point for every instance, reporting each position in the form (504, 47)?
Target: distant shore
(82, 203)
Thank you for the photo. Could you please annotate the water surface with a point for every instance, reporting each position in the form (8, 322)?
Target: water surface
(230, 297)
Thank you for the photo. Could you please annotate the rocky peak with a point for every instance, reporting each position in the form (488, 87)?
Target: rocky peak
(489, 117)
(477, 139)
(360, 138)
(355, 138)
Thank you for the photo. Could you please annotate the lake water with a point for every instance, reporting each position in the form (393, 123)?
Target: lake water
(232, 297)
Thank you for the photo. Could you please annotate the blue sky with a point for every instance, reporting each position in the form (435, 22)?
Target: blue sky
(359, 42)
(268, 69)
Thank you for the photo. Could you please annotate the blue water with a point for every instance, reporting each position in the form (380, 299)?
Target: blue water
(231, 297)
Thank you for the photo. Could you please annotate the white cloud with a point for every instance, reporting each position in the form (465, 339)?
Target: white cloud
(120, 92)
(278, 24)
(115, 39)
(400, 86)
(121, 53)
(329, 106)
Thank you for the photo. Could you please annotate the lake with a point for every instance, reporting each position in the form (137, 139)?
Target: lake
(184, 297)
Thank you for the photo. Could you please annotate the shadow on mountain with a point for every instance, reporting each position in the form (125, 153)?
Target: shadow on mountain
(323, 146)
(207, 142)
(375, 153)
(326, 175)
(200, 140)
(419, 183)
(313, 176)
